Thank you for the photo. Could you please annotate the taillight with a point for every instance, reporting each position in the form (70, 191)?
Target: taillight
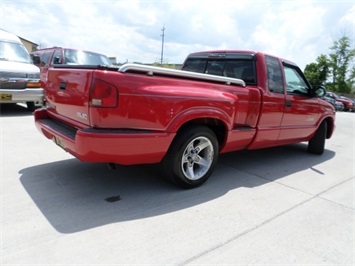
(103, 94)
(33, 84)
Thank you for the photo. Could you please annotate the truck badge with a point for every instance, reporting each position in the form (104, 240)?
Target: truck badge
(82, 115)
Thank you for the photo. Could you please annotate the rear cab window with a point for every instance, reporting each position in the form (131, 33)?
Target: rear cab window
(54, 56)
(233, 65)
(78, 57)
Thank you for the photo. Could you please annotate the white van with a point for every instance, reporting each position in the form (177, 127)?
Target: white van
(19, 78)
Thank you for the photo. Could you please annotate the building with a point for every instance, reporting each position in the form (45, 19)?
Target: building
(30, 46)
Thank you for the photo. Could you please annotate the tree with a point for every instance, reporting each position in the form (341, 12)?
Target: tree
(341, 66)
(312, 74)
(323, 66)
(337, 70)
(317, 73)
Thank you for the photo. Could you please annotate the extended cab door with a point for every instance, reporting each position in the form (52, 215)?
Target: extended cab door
(273, 103)
(302, 110)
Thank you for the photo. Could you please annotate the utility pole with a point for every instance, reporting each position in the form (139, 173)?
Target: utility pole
(162, 45)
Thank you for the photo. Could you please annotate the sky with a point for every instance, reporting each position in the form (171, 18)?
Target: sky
(131, 30)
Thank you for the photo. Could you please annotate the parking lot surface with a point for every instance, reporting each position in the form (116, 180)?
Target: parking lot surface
(272, 206)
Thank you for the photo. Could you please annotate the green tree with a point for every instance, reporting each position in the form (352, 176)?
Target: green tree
(312, 74)
(337, 70)
(341, 66)
(323, 66)
(317, 73)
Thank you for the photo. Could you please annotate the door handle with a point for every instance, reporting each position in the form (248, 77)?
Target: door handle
(288, 104)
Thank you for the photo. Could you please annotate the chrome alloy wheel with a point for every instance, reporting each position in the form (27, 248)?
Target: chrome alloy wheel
(197, 158)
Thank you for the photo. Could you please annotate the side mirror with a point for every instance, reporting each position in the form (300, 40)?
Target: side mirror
(36, 59)
(319, 91)
(57, 60)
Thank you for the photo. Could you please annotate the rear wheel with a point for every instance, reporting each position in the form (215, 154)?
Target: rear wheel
(192, 157)
(317, 142)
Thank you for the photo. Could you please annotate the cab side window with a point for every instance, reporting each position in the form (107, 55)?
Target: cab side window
(57, 57)
(295, 84)
(195, 65)
(274, 75)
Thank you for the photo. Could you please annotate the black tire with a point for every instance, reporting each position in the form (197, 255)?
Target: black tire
(317, 142)
(191, 157)
(31, 106)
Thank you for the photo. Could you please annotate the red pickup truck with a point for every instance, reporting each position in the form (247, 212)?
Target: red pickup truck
(221, 101)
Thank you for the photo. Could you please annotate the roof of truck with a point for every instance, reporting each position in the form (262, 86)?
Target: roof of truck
(63, 48)
(233, 54)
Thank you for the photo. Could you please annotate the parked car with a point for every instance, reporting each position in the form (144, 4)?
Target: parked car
(349, 105)
(46, 58)
(349, 99)
(19, 78)
(337, 105)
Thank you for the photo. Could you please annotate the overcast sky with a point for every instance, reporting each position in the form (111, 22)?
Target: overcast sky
(298, 30)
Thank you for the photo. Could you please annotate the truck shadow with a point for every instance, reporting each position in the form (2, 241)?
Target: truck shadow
(11, 110)
(76, 196)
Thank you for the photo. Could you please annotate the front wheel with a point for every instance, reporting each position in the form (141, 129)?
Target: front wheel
(191, 157)
(317, 142)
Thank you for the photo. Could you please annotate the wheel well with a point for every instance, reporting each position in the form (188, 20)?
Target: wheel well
(217, 126)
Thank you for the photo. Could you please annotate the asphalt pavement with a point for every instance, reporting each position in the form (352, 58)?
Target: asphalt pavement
(273, 206)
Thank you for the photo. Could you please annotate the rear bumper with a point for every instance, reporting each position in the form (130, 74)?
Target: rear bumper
(35, 95)
(125, 147)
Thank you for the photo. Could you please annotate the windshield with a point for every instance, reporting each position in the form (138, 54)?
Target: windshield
(74, 57)
(15, 52)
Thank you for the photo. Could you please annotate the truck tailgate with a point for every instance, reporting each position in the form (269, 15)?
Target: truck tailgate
(67, 93)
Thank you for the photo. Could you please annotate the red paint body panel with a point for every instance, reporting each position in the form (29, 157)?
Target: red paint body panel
(108, 146)
(123, 148)
(149, 110)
